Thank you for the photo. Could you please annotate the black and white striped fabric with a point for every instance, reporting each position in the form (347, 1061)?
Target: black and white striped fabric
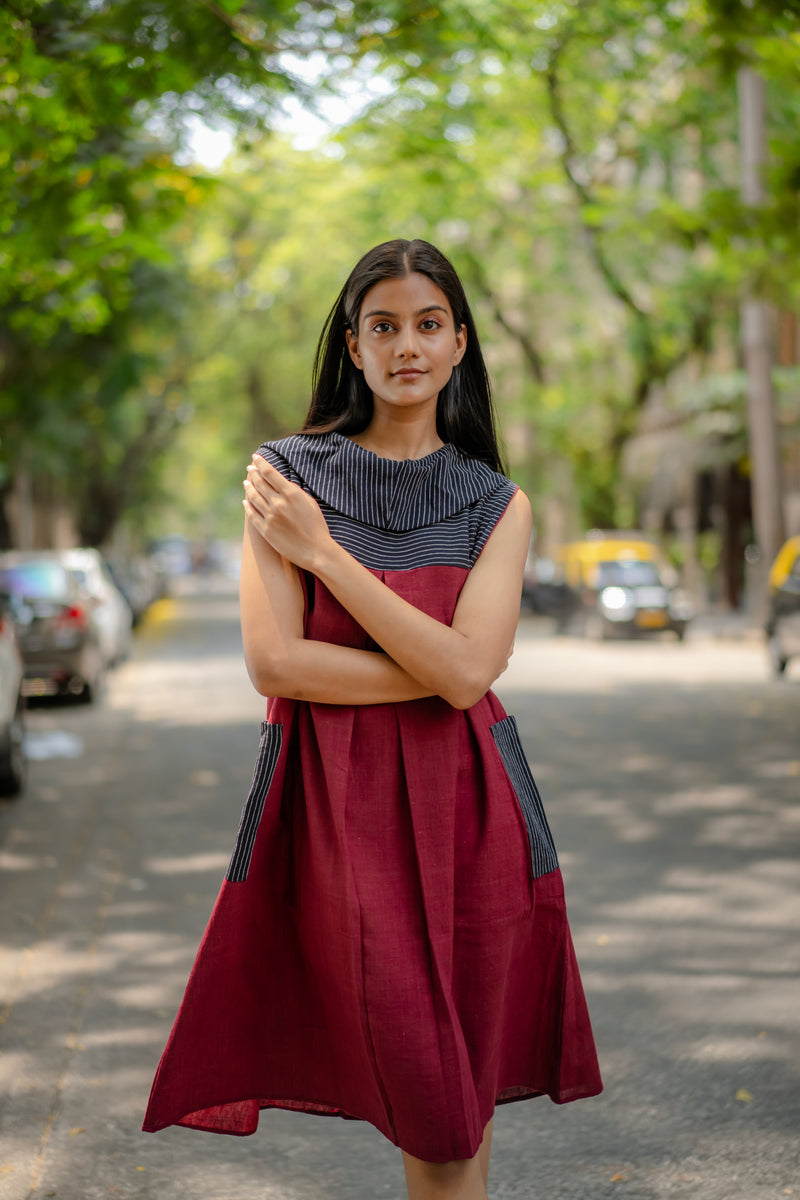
(509, 746)
(268, 753)
(396, 515)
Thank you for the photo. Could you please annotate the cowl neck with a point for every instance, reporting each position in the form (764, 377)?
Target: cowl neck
(387, 493)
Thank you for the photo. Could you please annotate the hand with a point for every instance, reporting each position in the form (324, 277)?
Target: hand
(284, 515)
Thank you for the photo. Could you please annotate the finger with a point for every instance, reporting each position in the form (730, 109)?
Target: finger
(259, 484)
(260, 467)
(258, 502)
(256, 517)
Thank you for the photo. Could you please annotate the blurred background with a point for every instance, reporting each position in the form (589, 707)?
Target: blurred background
(184, 187)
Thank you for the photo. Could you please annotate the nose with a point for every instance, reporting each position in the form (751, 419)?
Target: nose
(407, 342)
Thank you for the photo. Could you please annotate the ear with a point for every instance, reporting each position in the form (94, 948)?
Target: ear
(461, 344)
(352, 346)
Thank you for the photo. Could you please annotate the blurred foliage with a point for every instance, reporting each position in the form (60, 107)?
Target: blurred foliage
(578, 161)
(97, 99)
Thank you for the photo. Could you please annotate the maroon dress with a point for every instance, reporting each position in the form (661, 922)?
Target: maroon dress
(390, 942)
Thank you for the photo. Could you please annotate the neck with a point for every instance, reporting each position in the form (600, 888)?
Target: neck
(400, 434)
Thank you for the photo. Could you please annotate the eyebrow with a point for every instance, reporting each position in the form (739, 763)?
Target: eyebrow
(384, 312)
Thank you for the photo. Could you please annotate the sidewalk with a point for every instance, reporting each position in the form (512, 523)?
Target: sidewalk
(726, 625)
(712, 624)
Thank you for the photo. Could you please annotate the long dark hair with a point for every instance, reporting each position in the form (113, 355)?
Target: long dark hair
(341, 399)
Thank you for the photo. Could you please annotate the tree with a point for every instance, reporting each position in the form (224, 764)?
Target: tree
(634, 105)
(94, 103)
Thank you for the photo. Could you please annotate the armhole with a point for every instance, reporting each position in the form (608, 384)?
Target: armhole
(493, 509)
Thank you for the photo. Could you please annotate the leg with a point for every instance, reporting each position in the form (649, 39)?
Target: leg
(464, 1179)
(484, 1152)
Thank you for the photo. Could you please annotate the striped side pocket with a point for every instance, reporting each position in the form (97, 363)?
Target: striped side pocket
(268, 753)
(509, 747)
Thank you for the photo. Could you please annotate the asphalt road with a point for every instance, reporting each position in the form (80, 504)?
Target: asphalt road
(672, 779)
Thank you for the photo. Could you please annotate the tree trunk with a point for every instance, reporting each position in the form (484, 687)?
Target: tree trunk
(757, 341)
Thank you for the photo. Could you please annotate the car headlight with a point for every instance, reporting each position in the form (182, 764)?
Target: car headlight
(617, 603)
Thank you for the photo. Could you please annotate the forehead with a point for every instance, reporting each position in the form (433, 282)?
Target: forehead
(405, 296)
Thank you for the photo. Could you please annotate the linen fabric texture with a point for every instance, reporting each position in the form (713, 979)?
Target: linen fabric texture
(391, 940)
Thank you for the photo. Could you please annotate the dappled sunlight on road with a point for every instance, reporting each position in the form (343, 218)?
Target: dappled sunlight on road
(671, 777)
(569, 664)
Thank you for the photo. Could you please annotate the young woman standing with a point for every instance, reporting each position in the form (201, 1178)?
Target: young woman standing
(391, 940)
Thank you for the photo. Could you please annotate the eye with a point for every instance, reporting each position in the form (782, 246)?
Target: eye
(381, 327)
(430, 324)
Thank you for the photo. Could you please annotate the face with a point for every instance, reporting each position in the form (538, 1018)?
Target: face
(407, 342)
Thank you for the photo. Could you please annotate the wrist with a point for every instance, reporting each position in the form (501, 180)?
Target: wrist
(324, 558)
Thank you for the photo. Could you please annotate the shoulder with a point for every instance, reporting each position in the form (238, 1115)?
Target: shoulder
(520, 505)
(479, 480)
(497, 504)
(505, 536)
(476, 482)
(517, 517)
(300, 455)
(297, 446)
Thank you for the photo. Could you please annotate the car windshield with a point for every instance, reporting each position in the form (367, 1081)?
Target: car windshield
(628, 574)
(35, 580)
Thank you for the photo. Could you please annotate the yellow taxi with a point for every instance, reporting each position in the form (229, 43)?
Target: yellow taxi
(620, 584)
(783, 620)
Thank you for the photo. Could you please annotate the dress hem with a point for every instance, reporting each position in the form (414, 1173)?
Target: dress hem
(316, 1108)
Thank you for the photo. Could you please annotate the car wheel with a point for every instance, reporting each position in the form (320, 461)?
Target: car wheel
(13, 764)
(95, 681)
(777, 658)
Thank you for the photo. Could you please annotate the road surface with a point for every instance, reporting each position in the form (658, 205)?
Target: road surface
(671, 774)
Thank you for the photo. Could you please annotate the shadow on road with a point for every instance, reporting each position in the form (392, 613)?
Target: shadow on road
(675, 810)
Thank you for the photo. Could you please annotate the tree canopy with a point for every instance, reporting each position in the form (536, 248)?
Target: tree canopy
(579, 163)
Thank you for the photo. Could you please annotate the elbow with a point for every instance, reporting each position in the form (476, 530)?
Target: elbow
(269, 673)
(466, 689)
(463, 701)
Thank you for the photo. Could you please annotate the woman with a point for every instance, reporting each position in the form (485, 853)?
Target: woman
(391, 942)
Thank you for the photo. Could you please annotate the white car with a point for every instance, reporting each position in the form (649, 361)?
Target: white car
(111, 610)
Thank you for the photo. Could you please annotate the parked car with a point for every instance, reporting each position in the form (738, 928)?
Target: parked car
(12, 703)
(618, 584)
(542, 593)
(111, 610)
(783, 619)
(173, 556)
(140, 580)
(59, 634)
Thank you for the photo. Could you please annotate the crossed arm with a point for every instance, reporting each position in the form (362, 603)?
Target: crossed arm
(285, 530)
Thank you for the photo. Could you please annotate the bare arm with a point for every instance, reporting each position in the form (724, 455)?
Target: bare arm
(458, 662)
(281, 662)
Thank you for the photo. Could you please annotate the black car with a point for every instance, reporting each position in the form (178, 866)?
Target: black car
(12, 704)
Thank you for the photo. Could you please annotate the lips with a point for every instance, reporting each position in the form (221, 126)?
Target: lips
(409, 372)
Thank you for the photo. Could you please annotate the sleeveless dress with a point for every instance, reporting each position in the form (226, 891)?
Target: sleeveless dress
(391, 941)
